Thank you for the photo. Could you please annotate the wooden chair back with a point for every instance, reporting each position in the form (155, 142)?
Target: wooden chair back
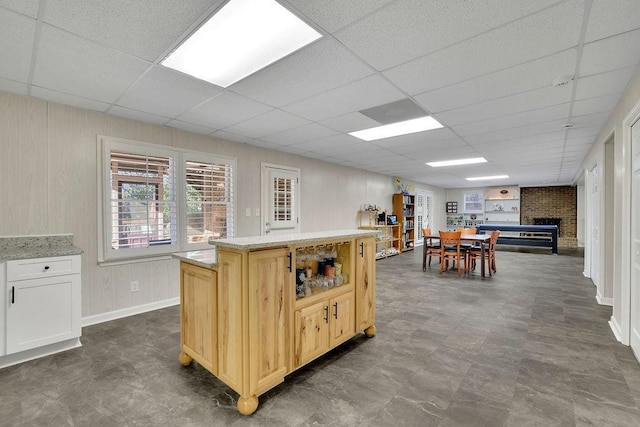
(450, 249)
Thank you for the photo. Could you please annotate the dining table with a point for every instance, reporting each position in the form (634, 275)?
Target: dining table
(480, 239)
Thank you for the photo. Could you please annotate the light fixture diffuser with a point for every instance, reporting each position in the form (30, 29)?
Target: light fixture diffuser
(240, 39)
(406, 127)
(457, 162)
(482, 178)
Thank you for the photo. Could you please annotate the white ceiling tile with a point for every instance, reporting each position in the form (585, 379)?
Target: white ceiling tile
(609, 17)
(426, 138)
(16, 45)
(143, 28)
(583, 132)
(590, 120)
(328, 144)
(137, 115)
(368, 92)
(332, 15)
(225, 110)
(26, 7)
(611, 53)
(521, 102)
(13, 86)
(555, 112)
(603, 84)
(541, 131)
(301, 134)
(521, 78)
(189, 127)
(350, 122)
(595, 105)
(550, 31)
(166, 92)
(422, 149)
(69, 64)
(230, 136)
(316, 68)
(267, 124)
(408, 29)
(63, 98)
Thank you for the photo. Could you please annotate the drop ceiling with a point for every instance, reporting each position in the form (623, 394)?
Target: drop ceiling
(484, 69)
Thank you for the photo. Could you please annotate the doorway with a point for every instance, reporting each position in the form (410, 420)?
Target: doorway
(635, 240)
(280, 199)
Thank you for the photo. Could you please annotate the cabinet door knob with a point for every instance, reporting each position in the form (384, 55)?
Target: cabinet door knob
(46, 267)
(326, 314)
(335, 310)
(13, 295)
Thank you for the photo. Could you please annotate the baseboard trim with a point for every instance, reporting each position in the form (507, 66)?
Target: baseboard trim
(604, 301)
(615, 328)
(130, 311)
(36, 353)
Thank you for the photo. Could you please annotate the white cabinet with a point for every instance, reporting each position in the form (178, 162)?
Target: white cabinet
(43, 302)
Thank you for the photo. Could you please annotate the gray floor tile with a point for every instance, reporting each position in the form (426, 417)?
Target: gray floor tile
(528, 346)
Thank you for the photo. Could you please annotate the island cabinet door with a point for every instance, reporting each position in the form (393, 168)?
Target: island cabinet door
(268, 318)
(342, 322)
(365, 283)
(311, 332)
(198, 315)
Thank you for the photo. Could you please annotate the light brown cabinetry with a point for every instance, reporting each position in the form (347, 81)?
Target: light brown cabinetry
(322, 326)
(198, 311)
(365, 286)
(241, 320)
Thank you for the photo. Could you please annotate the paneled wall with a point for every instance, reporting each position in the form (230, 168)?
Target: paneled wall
(48, 180)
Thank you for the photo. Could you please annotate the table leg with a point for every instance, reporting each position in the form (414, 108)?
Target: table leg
(482, 254)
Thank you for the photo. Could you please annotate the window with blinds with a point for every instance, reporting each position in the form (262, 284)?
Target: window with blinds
(157, 200)
(209, 204)
(282, 199)
(143, 203)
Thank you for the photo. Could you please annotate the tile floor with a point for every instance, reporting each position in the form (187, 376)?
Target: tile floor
(527, 347)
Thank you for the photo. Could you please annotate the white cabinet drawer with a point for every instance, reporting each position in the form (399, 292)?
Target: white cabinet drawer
(42, 267)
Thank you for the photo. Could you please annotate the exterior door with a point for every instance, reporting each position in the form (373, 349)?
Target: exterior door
(635, 239)
(280, 200)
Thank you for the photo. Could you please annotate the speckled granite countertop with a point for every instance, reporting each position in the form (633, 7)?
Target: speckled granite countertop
(258, 242)
(45, 246)
(206, 258)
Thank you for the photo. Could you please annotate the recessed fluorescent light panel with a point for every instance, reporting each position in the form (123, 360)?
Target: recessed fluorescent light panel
(420, 124)
(457, 162)
(482, 178)
(242, 38)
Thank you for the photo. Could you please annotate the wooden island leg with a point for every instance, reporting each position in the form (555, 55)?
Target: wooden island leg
(185, 359)
(370, 331)
(247, 405)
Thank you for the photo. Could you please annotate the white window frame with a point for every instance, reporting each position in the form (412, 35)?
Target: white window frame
(106, 254)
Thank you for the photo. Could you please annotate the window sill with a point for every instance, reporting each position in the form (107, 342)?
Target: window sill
(153, 258)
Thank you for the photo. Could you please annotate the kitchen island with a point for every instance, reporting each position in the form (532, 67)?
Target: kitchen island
(255, 309)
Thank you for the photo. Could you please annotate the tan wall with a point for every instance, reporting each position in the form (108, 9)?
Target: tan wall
(621, 203)
(48, 180)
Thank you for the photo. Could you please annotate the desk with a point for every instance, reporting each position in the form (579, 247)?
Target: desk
(474, 238)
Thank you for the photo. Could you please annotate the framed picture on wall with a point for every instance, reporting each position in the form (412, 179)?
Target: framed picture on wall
(473, 202)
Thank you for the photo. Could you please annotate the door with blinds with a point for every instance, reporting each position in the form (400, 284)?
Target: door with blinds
(280, 200)
(423, 211)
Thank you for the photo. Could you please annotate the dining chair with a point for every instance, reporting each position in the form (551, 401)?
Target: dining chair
(450, 250)
(475, 253)
(468, 231)
(431, 248)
